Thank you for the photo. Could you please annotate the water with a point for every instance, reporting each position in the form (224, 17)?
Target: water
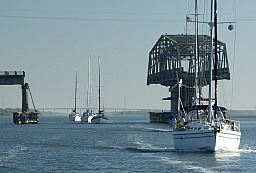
(129, 143)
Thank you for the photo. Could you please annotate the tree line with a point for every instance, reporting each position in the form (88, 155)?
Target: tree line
(8, 111)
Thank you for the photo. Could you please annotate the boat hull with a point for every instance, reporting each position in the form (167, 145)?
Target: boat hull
(99, 120)
(206, 140)
(227, 140)
(84, 119)
(78, 118)
(71, 118)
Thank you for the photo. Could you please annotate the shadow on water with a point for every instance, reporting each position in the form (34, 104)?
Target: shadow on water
(222, 153)
(146, 150)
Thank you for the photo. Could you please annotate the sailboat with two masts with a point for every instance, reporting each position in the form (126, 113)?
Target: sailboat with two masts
(74, 115)
(206, 127)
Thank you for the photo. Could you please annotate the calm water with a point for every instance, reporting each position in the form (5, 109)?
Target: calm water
(128, 143)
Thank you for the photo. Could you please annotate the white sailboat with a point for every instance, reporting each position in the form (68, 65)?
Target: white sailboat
(74, 115)
(88, 114)
(99, 117)
(206, 127)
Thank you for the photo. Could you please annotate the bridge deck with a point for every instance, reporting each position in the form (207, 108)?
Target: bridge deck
(12, 77)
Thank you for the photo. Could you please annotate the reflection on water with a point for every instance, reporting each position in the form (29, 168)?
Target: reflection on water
(225, 156)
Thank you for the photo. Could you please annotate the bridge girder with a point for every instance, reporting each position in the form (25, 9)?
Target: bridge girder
(174, 54)
(16, 78)
(173, 58)
(12, 77)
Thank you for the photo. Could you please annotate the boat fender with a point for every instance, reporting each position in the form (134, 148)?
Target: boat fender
(178, 125)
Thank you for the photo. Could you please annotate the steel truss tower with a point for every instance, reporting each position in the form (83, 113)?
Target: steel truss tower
(173, 58)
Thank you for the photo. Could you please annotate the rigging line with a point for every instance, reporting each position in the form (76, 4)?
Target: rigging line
(205, 16)
(233, 73)
(204, 30)
(190, 6)
(32, 99)
(91, 12)
(89, 19)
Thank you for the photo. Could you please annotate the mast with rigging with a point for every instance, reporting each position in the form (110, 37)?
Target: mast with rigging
(99, 86)
(216, 56)
(210, 64)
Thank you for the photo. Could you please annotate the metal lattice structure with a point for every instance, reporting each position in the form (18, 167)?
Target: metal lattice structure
(173, 58)
(175, 54)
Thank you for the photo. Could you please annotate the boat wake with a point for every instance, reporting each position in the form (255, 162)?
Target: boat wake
(170, 159)
(150, 129)
(104, 148)
(158, 130)
(247, 151)
(245, 148)
(151, 150)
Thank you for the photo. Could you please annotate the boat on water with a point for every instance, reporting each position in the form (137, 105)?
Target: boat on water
(206, 127)
(74, 115)
(196, 133)
(88, 114)
(99, 117)
(77, 117)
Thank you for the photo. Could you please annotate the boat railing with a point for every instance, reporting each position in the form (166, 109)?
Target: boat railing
(235, 125)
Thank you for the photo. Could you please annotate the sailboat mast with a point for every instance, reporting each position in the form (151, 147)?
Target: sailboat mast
(75, 89)
(99, 85)
(89, 85)
(196, 53)
(210, 64)
(216, 56)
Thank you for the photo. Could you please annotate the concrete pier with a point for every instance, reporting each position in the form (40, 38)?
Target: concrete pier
(25, 117)
(159, 117)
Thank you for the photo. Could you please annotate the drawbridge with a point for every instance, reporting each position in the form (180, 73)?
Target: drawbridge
(17, 78)
(172, 59)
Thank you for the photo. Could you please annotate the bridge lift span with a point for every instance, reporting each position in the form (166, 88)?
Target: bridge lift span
(17, 78)
(172, 59)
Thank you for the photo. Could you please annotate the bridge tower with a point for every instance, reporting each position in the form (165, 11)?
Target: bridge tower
(17, 78)
(172, 59)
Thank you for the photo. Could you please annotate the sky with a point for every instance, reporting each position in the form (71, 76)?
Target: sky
(49, 39)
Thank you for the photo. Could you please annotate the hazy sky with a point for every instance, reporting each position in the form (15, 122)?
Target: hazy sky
(48, 39)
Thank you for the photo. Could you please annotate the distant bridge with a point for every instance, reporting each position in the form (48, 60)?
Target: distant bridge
(81, 110)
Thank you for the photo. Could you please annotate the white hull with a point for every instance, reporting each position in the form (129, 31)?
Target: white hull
(227, 140)
(73, 116)
(206, 140)
(89, 119)
(78, 118)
